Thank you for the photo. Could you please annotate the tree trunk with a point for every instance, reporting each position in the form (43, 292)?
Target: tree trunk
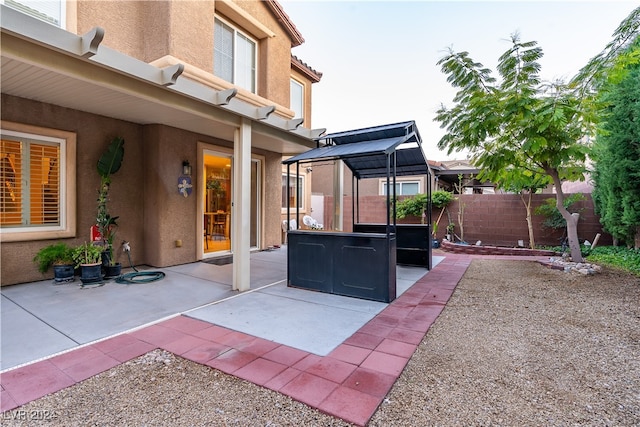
(572, 219)
(461, 220)
(637, 239)
(527, 206)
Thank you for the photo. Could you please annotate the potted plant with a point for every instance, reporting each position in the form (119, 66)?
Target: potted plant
(58, 256)
(88, 258)
(450, 231)
(108, 164)
(435, 243)
(215, 192)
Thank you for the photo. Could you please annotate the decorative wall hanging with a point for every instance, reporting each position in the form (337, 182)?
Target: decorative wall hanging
(184, 185)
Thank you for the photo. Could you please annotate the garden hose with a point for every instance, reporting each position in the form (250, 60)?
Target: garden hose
(137, 276)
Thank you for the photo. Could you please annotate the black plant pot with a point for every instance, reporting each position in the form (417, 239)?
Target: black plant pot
(63, 274)
(106, 258)
(112, 271)
(91, 274)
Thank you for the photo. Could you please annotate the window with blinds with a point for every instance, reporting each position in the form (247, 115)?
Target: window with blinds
(234, 56)
(31, 184)
(51, 11)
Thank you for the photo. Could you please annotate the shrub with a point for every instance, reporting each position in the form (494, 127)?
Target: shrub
(618, 257)
(55, 254)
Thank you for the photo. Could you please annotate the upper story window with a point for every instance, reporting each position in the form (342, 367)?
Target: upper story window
(403, 188)
(297, 99)
(51, 11)
(34, 175)
(234, 57)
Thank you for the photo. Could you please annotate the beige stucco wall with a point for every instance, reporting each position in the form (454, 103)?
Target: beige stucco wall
(144, 193)
(149, 30)
(93, 135)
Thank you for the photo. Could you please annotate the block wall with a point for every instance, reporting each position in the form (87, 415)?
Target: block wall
(494, 219)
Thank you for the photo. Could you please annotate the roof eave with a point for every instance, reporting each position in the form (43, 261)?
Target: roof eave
(305, 69)
(286, 23)
(88, 48)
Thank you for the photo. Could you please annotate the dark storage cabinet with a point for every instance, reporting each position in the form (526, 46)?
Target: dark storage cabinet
(413, 242)
(360, 265)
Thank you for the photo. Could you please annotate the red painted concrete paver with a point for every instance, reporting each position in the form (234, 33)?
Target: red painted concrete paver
(309, 389)
(286, 355)
(232, 360)
(406, 335)
(386, 319)
(212, 333)
(235, 339)
(90, 367)
(397, 348)
(131, 351)
(385, 363)
(33, 381)
(307, 361)
(332, 369)
(371, 382)
(157, 335)
(206, 352)
(6, 401)
(282, 379)
(115, 343)
(66, 360)
(260, 371)
(351, 405)
(364, 340)
(349, 383)
(185, 344)
(376, 329)
(350, 354)
(258, 346)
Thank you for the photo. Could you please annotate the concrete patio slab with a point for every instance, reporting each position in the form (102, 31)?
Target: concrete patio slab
(305, 320)
(43, 340)
(61, 317)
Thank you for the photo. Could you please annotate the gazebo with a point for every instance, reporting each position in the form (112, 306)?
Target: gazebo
(362, 263)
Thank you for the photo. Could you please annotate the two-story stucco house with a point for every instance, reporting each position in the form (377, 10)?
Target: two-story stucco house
(201, 91)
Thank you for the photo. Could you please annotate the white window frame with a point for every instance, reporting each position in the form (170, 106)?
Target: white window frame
(67, 184)
(235, 56)
(297, 105)
(300, 193)
(53, 12)
(400, 183)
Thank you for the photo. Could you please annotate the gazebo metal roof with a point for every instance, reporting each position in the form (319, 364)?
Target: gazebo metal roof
(367, 152)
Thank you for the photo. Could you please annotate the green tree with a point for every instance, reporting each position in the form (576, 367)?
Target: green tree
(616, 172)
(609, 84)
(610, 65)
(519, 122)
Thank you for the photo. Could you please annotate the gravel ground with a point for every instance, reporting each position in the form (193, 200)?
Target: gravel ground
(517, 345)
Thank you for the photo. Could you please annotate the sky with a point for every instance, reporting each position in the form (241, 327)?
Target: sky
(378, 58)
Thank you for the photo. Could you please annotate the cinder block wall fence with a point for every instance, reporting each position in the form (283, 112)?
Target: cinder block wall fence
(494, 219)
